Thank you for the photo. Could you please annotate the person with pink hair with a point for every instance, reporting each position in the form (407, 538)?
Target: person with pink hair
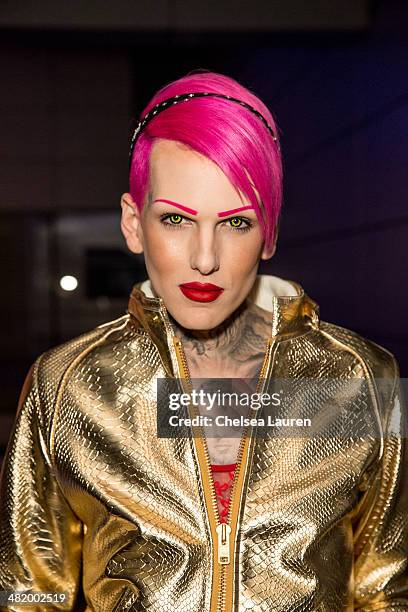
(120, 491)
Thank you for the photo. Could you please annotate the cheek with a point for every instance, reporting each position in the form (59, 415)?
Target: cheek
(242, 254)
(163, 251)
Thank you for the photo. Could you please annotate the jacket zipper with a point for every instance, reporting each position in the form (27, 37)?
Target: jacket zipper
(223, 530)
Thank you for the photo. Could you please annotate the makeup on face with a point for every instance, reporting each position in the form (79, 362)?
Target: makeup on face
(201, 261)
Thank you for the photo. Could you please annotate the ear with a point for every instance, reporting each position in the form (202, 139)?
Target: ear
(131, 224)
(268, 253)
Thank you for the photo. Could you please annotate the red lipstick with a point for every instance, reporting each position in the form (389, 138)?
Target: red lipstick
(201, 292)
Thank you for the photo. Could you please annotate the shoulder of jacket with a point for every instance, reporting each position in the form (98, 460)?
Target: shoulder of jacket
(65, 352)
(379, 364)
(52, 365)
(377, 357)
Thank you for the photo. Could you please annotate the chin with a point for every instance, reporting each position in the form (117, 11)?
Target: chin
(196, 321)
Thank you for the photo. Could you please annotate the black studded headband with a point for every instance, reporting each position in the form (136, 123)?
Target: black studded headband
(161, 106)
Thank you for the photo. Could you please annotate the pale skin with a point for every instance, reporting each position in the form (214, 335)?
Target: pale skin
(225, 338)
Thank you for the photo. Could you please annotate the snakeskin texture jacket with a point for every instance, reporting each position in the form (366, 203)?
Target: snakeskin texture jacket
(98, 513)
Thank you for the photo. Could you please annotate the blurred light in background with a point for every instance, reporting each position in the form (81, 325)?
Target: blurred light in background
(68, 283)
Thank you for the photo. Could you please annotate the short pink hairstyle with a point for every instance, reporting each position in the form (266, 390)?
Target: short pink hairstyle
(230, 135)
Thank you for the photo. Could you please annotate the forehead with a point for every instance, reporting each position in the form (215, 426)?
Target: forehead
(164, 151)
(177, 171)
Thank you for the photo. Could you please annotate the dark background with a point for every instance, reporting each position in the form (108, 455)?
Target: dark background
(74, 75)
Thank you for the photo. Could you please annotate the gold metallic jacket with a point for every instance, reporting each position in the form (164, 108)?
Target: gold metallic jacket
(96, 506)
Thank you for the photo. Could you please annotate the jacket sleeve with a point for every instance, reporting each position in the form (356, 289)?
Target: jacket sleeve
(381, 537)
(40, 537)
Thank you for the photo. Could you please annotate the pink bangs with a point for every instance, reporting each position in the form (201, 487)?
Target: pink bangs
(225, 132)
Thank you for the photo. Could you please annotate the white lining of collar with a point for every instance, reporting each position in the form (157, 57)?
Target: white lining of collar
(264, 289)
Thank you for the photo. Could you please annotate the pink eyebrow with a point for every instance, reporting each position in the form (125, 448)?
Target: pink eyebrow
(195, 212)
(185, 208)
(233, 210)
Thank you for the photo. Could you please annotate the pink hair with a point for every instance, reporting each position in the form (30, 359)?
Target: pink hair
(223, 131)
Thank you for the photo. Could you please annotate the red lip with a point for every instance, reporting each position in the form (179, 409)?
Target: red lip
(202, 286)
(201, 292)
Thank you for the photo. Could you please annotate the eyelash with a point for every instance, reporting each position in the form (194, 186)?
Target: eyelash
(177, 225)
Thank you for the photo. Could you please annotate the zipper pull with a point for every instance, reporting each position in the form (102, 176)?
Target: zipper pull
(223, 531)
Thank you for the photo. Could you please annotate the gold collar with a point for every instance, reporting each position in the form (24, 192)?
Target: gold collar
(293, 311)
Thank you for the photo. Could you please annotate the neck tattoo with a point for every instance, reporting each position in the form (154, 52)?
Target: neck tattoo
(240, 340)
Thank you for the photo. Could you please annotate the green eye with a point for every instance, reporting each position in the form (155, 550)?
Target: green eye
(236, 222)
(175, 219)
